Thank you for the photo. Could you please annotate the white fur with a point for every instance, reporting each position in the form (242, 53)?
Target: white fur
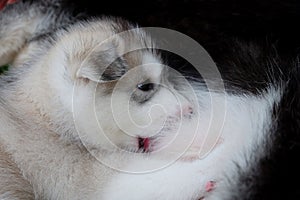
(49, 113)
(61, 124)
(245, 127)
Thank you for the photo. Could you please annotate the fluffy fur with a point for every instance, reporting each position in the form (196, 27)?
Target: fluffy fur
(65, 71)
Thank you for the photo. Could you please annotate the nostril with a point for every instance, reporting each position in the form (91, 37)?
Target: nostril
(190, 110)
(187, 110)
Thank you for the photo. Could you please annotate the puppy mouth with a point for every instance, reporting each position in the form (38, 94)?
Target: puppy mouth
(146, 144)
(143, 144)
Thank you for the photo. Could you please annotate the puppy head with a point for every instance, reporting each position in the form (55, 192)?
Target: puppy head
(116, 86)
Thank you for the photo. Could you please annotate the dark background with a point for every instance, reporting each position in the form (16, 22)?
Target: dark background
(211, 22)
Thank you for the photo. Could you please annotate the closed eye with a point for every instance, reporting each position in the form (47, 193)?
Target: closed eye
(145, 87)
(144, 91)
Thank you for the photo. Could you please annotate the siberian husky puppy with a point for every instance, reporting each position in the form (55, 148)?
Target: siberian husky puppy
(88, 111)
(76, 86)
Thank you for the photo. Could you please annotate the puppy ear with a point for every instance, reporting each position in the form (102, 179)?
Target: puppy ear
(103, 65)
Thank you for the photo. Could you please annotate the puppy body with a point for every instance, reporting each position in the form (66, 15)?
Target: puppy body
(47, 96)
(61, 85)
(82, 176)
(245, 131)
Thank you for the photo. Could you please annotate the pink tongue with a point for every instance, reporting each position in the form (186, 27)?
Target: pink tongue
(144, 143)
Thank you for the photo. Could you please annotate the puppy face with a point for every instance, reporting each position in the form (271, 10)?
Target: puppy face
(121, 96)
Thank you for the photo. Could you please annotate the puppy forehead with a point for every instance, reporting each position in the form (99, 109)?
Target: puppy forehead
(86, 44)
(152, 65)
